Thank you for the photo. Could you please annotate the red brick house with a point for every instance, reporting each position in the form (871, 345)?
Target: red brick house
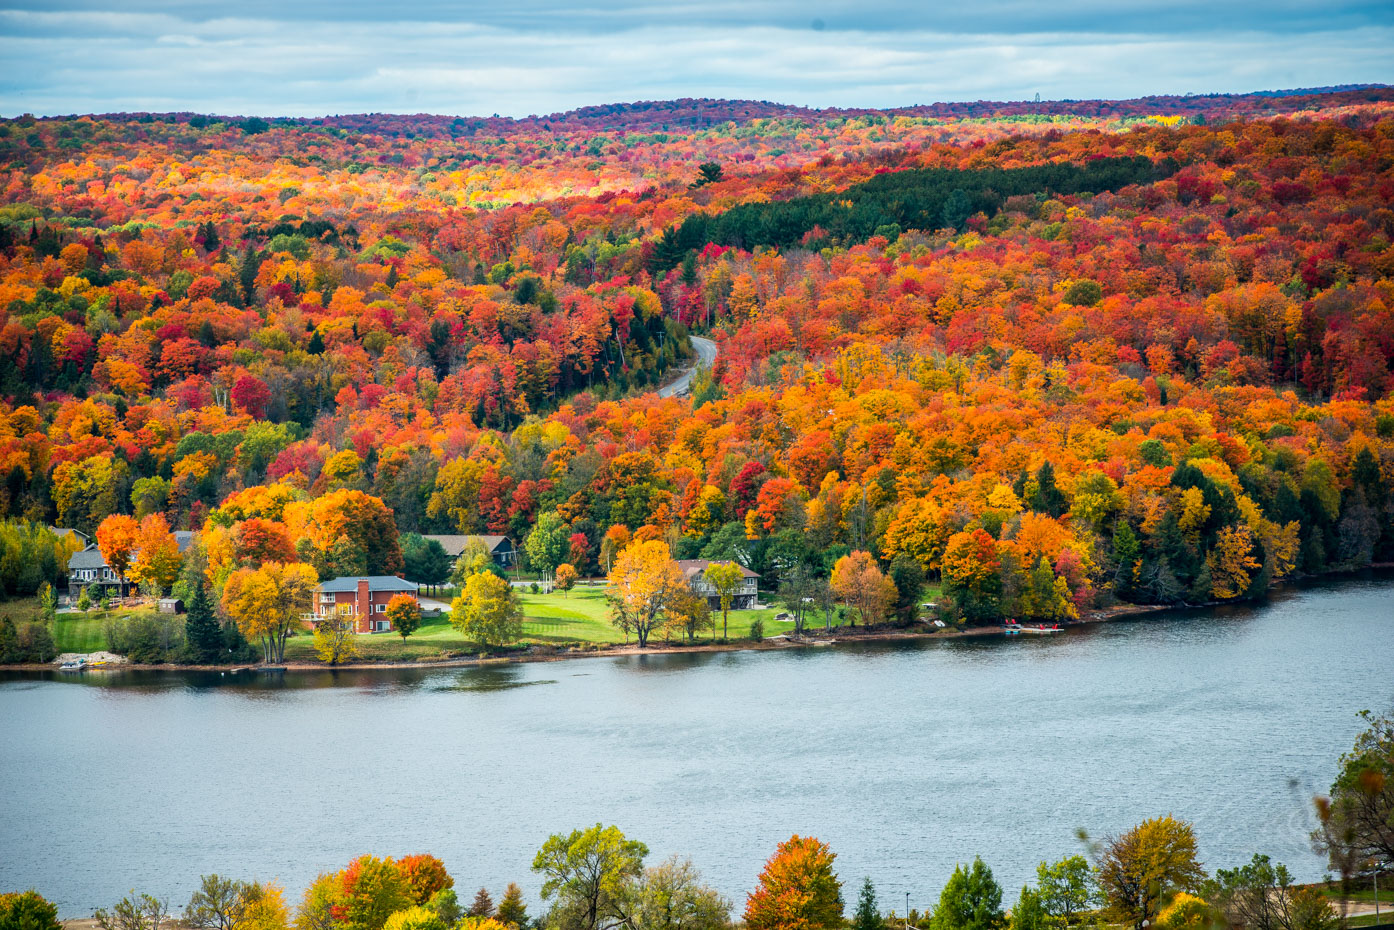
(364, 598)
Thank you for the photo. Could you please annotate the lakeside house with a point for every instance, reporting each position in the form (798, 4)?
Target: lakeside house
(87, 567)
(64, 532)
(695, 571)
(364, 598)
(500, 548)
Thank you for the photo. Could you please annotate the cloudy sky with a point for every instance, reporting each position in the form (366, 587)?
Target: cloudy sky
(520, 57)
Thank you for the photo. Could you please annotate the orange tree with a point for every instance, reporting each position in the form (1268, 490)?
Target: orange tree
(404, 613)
(117, 538)
(798, 889)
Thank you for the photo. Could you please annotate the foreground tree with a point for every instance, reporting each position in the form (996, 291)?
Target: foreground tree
(587, 875)
(1261, 896)
(645, 580)
(425, 876)
(972, 900)
(483, 904)
(512, 911)
(1066, 888)
(487, 611)
(798, 889)
(267, 603)
(28, 910)
(867, 915)
(1140, 869)
(1029, 912)
(217, 904)
(373, 890)
(138, 912)
(671, 896)
(1357, 821)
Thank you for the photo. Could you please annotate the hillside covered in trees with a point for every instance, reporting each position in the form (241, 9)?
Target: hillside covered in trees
(1054, 356)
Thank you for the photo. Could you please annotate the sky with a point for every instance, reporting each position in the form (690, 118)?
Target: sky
(523, 57)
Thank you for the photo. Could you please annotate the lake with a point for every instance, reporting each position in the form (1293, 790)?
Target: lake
(905, 758)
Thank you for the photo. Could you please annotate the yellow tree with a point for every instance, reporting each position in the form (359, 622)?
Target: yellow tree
(117, 538)
(487, 610)
(858, 581)
(1141, 869)
(921, 530)
(1232, 562)
(334, 637)
(725, 578)
(645, 580)
(266, 603)
(157, 560)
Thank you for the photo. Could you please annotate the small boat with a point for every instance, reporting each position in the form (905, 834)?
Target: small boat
(1011, 628)
(72, 665)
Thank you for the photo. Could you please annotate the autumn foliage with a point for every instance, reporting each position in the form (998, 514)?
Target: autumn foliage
(1171, 387)
(797, 890)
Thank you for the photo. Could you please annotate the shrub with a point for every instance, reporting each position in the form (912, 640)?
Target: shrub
(757, 630)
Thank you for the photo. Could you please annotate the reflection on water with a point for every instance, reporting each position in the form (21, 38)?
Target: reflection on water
(906, 757)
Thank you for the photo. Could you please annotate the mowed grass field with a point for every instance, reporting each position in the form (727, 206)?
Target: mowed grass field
(86, 632)
(580, 616)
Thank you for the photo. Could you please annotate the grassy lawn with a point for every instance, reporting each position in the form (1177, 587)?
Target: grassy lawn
(79, 632)
(579, 616)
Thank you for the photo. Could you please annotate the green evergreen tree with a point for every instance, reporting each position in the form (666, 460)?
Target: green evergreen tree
(972, 900)
(1029, 913)
(512, 911)
(1047, 497)
(201, 629)
(867, 916)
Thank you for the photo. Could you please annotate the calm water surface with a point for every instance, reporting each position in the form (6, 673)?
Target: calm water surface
(906, 759)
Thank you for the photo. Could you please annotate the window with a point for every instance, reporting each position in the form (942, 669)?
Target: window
(380, 608)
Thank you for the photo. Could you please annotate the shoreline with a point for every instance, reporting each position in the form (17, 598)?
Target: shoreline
(814, 638)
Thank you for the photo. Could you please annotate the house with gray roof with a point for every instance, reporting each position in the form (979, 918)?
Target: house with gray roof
(500, 548)
(362, 599)
(87, 567)
(695, 571)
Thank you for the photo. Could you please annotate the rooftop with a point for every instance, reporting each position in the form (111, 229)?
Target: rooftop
(349, 584)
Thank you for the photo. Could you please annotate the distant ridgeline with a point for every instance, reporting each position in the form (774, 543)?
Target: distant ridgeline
(919, 198)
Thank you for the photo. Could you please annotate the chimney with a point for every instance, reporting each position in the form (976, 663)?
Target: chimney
(365, 606)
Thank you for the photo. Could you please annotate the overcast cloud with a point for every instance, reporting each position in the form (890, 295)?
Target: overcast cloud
(539, 56)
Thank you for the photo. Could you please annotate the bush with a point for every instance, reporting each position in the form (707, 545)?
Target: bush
(146, 638)
(757, 630)
(28, 910)
(27, 642)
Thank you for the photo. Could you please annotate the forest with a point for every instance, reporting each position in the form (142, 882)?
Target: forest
(1054, 361)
